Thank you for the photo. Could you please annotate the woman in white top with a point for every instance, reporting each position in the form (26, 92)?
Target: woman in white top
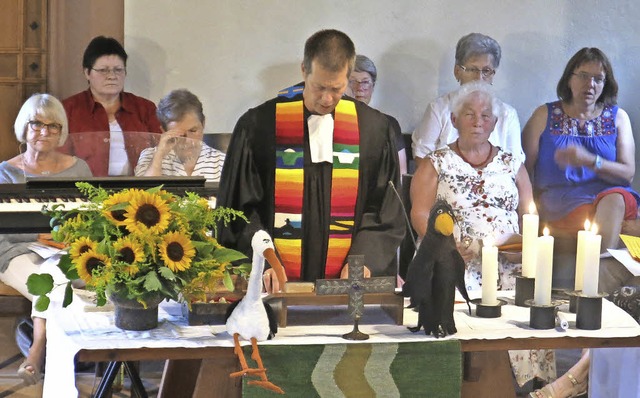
(181, 151)
(477, 58)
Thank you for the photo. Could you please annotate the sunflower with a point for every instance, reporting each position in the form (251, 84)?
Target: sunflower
(130, 252)
(88, 262)
(82, 245)
(113, 207)
(146, 213)
(177, 251)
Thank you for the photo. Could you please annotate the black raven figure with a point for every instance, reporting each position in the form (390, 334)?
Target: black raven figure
(434, 273)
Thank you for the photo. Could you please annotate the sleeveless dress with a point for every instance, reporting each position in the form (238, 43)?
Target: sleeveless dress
(485, 203)
(559, 191)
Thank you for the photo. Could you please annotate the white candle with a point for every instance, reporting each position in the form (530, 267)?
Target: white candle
(592, 263)
(530, 224)
(489, 272)
(581, 255)
(544, 269)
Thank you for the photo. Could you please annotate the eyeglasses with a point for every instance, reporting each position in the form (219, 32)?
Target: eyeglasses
(585, 77)
(52, 128)
(486, 72)
(365, 84)
(107, 71)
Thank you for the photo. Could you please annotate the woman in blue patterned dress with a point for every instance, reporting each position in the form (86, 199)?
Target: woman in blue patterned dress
(580, 154)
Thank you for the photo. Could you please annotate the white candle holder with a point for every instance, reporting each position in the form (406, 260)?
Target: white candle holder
(488, 310)
(589, 311)
(542, 316)
(524, 290)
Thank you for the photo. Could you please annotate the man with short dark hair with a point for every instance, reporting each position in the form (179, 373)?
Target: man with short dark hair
(313, 168)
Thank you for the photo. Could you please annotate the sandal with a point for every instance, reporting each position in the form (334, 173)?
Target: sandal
(29, 376)
(577, 389)
(544, 392)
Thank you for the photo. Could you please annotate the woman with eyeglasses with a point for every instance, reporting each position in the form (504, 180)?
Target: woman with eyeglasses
(581, 157)
(41, 126)
(477, 58)
(362, 82)
(111, 115)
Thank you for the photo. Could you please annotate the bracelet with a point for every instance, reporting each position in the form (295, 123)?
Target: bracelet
(597, 165)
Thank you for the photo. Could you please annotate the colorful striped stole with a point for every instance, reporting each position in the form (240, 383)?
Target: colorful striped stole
(289, 186)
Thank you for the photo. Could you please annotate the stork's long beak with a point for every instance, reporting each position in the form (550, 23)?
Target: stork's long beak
(270, 255)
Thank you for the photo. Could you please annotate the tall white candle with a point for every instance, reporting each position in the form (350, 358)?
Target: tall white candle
(592, 263)
(489, 272)
(544, 269)
(530, 223)
(581, 256)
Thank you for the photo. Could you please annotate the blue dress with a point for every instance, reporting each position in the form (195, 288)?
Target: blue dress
(560, 191)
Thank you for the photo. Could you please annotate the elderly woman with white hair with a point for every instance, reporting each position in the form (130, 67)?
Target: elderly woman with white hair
(41, 127)
(488, 188)
(477, 58)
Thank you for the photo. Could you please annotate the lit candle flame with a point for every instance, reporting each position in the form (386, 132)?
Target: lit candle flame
(545, 231)
(587, 225)
(532, 208)
(594, 229)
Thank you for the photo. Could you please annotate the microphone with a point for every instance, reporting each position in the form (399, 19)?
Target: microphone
(404, 211)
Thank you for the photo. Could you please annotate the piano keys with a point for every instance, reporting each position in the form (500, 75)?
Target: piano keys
(21, 205)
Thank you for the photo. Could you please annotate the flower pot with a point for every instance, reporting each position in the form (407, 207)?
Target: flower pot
(132, 315)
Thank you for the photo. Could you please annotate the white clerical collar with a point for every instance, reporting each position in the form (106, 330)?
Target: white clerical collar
(321, 138)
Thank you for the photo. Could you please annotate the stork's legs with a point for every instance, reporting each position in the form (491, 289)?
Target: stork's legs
(260, 370)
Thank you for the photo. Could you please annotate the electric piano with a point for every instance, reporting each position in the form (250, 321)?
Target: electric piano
(21, 204)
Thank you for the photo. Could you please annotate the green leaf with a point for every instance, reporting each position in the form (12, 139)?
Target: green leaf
(68, 268)
(226, 255)
(151, 282)
(228, 282)
(39, 284)
(68, 295)
(166, 273)
(42, 303)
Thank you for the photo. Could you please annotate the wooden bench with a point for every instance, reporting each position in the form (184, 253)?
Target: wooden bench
(12, 303)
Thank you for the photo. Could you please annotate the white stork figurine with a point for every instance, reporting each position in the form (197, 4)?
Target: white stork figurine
(251, 318)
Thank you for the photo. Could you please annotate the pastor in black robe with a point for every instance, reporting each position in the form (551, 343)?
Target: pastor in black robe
(248, 178)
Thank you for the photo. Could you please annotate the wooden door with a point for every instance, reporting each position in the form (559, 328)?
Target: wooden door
(23, 57)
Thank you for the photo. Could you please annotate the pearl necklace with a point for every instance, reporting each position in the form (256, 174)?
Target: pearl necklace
(474, 165)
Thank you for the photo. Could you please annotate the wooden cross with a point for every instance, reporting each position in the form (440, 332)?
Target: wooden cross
(356, 285)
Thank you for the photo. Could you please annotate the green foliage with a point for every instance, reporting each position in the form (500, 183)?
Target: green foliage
(139, 241)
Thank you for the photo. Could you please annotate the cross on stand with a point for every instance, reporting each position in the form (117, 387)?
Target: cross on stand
(356, 286)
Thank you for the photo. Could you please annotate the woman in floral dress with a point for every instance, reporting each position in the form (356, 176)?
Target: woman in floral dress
(488, 188)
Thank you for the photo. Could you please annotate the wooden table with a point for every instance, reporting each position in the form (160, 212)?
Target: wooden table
(199, 371)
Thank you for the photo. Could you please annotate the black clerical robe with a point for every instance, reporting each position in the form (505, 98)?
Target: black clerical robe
(247, 184)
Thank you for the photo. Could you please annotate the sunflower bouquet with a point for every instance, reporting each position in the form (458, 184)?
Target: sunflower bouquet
(136, 243)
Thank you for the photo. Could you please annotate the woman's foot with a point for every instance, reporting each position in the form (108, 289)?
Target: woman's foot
(566, 386)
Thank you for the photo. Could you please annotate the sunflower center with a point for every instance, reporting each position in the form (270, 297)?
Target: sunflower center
(148, 215)
(127, 255)
(84, 249)
(118, 215)
(93, 264)
(175, 251)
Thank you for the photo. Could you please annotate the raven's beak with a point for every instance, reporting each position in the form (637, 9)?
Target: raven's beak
(270, 255)
(444, 224)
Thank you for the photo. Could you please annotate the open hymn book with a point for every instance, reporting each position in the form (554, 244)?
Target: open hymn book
(629, 257)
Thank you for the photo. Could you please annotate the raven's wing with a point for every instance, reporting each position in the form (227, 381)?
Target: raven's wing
(273, 320)
(417, 284)
(460, 266)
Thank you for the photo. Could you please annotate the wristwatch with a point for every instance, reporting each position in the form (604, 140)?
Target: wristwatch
(597, 165)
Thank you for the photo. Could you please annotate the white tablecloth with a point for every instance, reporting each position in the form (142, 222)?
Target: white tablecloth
(74, 328)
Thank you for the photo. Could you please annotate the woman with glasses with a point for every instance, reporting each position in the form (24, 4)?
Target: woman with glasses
(581, 157)
(111, 115)
(181, 151)
(362, 81)
(41, 126)
(477, 58)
